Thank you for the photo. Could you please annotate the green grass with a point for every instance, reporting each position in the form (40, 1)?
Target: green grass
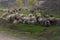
(30, 27)
(34, 30)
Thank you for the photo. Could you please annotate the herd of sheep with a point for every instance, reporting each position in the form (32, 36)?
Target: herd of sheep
(30, 18)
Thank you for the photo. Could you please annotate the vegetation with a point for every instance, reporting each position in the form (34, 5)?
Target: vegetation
(27, 2)
(50, 33)
(33, 29)
(20, 2)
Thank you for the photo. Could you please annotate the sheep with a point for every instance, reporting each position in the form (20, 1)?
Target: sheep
(7, 13)
(22, 15)
(22, 18)
(29, 19)
(37, 15)
(4, 15)
(52, 20)
(41, 20)
(47, 23)
(33, 19)
(12, 17)
(30, 15)
(58, 21)
(26, 19)
(44, 21)
(20, 21)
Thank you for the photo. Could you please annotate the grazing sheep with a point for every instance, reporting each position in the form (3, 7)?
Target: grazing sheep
(25, 19)
(5, 14)
(22, 18)
(22, 15)
(30, 15)
(12, 17)
(33, 20)
(44, 21)
(58, 21)
(41, 20)
(20, 21)
(52, 20)
(29, 19)
(47, 23)
(38, 15)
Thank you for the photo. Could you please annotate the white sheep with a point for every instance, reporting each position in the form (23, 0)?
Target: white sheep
(33, 20)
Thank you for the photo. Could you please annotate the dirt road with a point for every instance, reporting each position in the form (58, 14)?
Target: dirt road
(4, 36)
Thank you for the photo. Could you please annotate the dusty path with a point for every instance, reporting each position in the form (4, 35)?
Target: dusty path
(4, 36)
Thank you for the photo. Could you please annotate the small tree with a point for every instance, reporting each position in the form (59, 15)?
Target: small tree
(20, 2)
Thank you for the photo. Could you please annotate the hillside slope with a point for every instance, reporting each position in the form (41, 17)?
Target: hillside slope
(8, 3)
(51, 5)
